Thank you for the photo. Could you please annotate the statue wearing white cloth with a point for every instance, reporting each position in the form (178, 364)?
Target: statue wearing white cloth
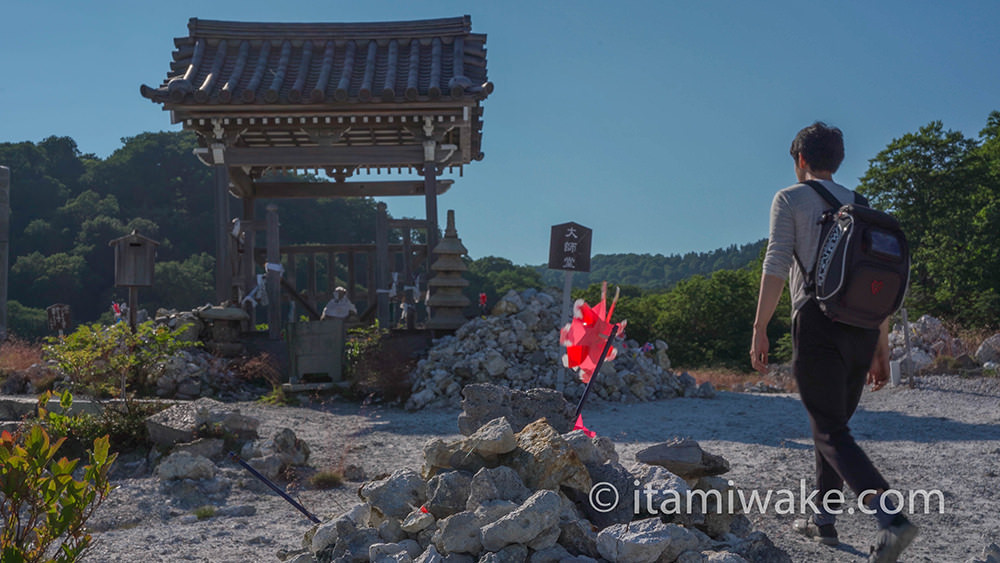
(340, 307)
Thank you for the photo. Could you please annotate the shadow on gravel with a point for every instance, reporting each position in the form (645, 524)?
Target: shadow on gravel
(769, 420)
(890, 426)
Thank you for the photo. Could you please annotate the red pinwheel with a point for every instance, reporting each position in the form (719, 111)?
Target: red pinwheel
(585, 336)
(587, 339)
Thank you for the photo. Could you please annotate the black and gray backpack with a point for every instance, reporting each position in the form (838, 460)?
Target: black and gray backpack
(862, 265)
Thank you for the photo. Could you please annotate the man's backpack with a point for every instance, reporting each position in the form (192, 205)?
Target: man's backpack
(862, 264)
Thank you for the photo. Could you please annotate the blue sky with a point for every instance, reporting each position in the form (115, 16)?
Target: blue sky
(663, 126)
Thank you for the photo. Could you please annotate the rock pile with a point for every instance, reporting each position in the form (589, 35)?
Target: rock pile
(194, 373)
(517, 346)
(218, 327)
(506, 493)
(929, 339)
(198, 435)
(991, 554)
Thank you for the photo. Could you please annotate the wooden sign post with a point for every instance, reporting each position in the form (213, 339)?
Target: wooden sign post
(569, 250)
(134, 258)
(59, 317)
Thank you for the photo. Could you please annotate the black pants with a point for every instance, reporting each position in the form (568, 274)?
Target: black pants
(830, 365)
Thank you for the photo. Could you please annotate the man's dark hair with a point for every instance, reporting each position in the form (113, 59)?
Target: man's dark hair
(822, 146)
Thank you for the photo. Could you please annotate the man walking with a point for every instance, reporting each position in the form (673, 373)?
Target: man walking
(831, 361)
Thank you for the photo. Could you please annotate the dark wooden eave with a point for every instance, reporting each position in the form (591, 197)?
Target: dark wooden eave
(314, 190)
(322, 96)
(323, 64)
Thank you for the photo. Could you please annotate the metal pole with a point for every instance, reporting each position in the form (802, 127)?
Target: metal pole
(906, 365)
(4, 246)
(274, 487)
(597, 370)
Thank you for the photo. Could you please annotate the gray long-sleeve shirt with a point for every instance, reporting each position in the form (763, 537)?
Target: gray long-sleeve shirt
(795, 214)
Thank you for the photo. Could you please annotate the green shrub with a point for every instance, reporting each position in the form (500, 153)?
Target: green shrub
(107, 360)
(26, 322)
(204, 512)
(327, 479)
(124, 423)
(42, 504)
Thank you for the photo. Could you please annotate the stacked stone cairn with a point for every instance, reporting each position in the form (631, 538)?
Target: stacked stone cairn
(517, 346)
(519, 488)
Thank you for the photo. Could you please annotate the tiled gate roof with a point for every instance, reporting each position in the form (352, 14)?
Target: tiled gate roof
(235, 63)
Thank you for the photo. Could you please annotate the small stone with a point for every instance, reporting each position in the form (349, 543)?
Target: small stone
(416, 521)
(494, 437)
(683, 457)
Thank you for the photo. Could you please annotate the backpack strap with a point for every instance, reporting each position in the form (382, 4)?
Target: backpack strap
(810, 284)
(824, 193)
(834, 202)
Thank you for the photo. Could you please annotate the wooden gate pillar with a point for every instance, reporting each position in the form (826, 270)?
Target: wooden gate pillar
(223, 270)
(273, 268)
(249, 243)
(4, 245)
(430, 193)
(382, 263)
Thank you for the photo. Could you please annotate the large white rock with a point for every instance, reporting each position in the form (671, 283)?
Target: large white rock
(643, 541)
(989, 350)
(396, 495)
(184, 465)
(538, 514)
(458, 533)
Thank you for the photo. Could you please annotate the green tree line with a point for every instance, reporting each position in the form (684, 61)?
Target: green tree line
(66, 206)
(655, 271)
(943, 186)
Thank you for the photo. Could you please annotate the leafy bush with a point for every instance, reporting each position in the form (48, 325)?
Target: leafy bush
(26, 322)
(263, 367)
(124, 423)
(42, 503)
(378, 364)
(106, 360)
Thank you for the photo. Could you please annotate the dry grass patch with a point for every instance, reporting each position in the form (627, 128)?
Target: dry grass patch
(327, 479)
(730, 380)
(19, 355)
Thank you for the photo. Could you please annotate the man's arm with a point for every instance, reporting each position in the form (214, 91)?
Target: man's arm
(767, 301)
(878, 373)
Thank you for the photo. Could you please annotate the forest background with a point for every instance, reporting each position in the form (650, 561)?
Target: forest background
(66, 206)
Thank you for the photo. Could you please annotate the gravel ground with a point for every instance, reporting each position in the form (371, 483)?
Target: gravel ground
(944, 434)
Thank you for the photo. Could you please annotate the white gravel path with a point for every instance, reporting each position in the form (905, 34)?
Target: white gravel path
(944, 434)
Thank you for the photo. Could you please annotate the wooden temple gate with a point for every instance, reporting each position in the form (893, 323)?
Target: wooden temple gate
(270, 101)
